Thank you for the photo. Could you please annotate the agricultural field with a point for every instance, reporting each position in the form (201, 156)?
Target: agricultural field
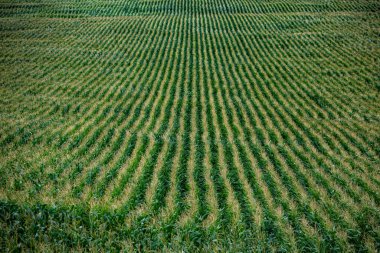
(190, 125)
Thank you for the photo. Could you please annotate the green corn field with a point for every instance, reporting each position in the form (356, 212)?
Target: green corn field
(190, 125)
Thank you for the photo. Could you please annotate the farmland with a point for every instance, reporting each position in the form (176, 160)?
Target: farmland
(190, 125)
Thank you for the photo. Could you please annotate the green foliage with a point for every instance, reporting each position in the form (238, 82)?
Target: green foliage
(189, 126)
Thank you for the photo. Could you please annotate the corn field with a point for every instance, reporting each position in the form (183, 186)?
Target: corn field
(194, 126)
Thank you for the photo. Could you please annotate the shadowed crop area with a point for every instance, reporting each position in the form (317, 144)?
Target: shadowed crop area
(190, 125)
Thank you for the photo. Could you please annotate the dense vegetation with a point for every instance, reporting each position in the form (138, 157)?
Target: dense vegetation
(190, 125)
